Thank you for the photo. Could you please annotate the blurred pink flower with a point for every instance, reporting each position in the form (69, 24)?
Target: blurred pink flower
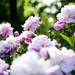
(59, 25)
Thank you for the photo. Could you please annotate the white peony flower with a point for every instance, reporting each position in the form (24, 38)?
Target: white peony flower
(27, 64)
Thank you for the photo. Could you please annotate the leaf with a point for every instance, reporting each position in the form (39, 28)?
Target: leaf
(67, 39)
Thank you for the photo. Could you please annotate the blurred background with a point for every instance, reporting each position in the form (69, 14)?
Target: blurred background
(17, 11)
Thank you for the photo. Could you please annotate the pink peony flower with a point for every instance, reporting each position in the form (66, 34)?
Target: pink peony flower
(26, 37)
(59, 25)
(32, 23)
(6, 30)
(9, 46)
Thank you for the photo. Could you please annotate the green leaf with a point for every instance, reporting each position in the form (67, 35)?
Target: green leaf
(67, 39)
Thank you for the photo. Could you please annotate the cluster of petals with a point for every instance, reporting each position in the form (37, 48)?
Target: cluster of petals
(6, 30)
(28, 64)
(59, 25)
(9, 46)
(67, 15)
(32, 23)
(26, 37)
(3, 67)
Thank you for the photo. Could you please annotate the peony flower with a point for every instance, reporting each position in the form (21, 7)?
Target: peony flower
(32, 23)
(5, 30)
(41, 44)
(9, 46)
(59, 25)
(67, 14)
(27, 64)
(3, 67)
(26, 37)
(64, 58)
